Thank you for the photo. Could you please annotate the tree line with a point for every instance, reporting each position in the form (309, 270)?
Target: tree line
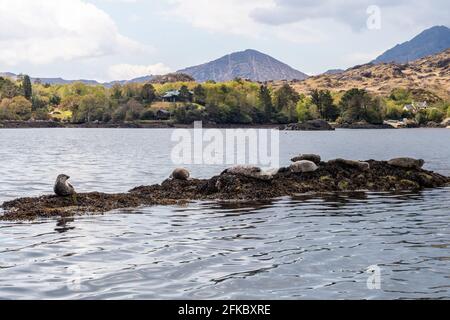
(237, 102)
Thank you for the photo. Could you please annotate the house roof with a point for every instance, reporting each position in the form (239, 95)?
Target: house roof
(163, 111)
(171, 93)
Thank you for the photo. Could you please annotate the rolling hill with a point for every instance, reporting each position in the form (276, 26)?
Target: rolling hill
(431, 74)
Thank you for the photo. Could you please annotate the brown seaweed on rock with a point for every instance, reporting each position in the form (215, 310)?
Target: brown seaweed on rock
(333, 176)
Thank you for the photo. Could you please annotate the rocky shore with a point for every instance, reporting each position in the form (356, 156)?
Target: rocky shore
(312, 125)
(240, 184)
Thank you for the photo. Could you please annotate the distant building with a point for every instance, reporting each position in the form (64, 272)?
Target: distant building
(174, 96)
(415, 107)
(171, 96)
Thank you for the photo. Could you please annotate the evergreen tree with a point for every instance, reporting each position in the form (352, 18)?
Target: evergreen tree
(148, 93)
(185, 94)
(27, 88)
(324, 102)
(266, 102)
(284, 96)
(200, 95)
(357, 105)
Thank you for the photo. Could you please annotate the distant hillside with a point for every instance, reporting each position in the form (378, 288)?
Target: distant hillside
(249, 64)
(172, 77)
(431, 73)
(61, 81)
(334, 71)
(429, 42)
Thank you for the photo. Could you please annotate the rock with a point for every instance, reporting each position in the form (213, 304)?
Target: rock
(446, 122)
(303, 166)
(432, 124)
(364, 166)
(406, 184)
(309, 157)
(331, 177)
(312, 125)
(365, 125)
(180, 174)
(407, 163)
(228, 184)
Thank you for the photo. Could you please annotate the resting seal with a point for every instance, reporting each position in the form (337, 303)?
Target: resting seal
(180, 174)
(251, 172)
(363, 166)
(62, 187)
(310, 157)
(407, 163)
(303, 166)
(241, 170)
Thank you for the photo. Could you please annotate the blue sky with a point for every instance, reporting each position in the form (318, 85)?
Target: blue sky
(122, 39)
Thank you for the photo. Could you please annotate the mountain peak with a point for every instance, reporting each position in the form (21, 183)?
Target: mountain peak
(248, 64)
(429, 42)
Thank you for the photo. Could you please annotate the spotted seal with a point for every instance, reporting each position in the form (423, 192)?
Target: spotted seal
(303, 166)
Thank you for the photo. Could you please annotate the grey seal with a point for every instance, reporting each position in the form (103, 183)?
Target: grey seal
(303, 166)
(62, 187)
(310, 157)
(407, 163)
(243, 170)
(363, 166)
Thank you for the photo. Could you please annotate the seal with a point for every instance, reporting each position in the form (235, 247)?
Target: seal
(241, 170)
(180, 174)
(62, 187)
(310, 157)
(303, 166)
(363, 166)
(407, 163)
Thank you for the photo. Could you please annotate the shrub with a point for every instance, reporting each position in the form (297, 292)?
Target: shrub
(147, 114)
(435, 115)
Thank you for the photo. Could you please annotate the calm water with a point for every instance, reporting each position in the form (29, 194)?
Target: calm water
(291, 248)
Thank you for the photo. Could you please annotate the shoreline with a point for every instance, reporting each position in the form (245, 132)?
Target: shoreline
(168, 125)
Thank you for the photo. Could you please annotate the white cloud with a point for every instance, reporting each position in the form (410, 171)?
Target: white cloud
(45, 31)
(129, 71)
(354, 12)
(230, 16)
(303, 21)
(236, 17)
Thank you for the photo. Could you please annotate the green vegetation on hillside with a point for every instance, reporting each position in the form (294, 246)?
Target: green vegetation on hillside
(237, 102)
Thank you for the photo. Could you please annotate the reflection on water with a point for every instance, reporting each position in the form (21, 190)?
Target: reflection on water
(304, 247)
(293, 248)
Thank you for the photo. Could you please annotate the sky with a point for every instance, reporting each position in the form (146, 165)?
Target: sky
(123, 39)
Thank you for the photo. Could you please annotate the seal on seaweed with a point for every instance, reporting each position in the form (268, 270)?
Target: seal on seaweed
(62, 187)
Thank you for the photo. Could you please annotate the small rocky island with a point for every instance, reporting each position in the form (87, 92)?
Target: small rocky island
(307, 174)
